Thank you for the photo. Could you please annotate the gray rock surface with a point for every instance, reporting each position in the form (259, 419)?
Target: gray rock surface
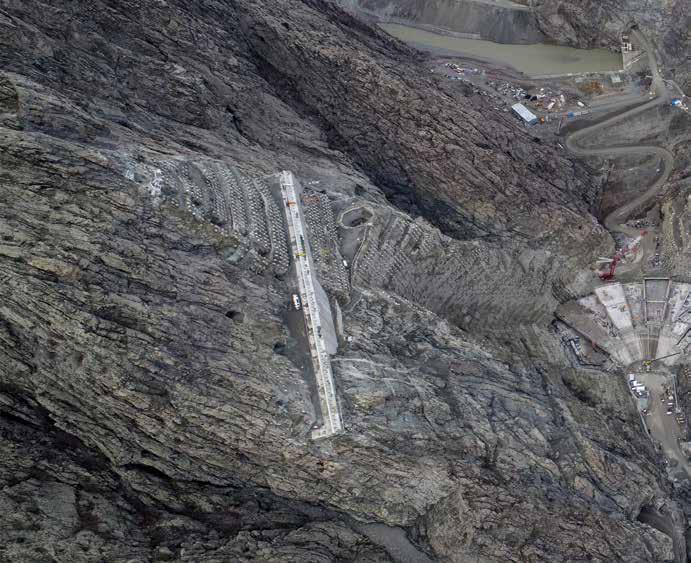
(589, 23)
(145, 412)
(580, 23)
(676, 243)
(466, 281)
(503, 22)
(61, 502)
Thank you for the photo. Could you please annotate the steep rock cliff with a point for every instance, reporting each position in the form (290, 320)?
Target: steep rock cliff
(141, 371)
(581, 23)
(589, 23)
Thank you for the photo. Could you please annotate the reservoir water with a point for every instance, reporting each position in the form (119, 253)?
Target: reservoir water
(531, 59)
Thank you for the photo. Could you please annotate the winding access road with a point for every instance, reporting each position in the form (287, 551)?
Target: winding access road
(616, 220)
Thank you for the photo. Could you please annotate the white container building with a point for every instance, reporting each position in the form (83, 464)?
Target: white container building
(525, 114)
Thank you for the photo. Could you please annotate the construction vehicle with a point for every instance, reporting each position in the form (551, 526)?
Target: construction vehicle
(648, 363)
(608, 275)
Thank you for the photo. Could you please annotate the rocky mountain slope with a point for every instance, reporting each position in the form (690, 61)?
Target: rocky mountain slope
(581, 23)
(504, 22)
(146, 409)
(588, 23)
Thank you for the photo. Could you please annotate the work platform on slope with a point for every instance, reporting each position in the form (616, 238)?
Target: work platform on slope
(648, 320)
(331, 416)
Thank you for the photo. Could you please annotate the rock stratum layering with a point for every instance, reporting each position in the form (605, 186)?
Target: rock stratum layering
(147, 410)
(581, 23)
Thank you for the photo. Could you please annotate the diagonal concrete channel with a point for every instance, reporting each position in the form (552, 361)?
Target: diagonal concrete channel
(308, 287)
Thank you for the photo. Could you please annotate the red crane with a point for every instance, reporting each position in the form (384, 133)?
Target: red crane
(612, 266)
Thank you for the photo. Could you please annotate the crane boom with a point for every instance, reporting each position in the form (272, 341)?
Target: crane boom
(648, 362)
(612, 267)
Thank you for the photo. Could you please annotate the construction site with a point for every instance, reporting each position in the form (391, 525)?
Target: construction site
(642, 329)
(314, 303)
(271, 226)
(636, 320)
(278, 284)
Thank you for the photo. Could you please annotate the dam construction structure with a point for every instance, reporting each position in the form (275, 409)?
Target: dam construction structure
(644, 321)
(310, 295)
(242, 213)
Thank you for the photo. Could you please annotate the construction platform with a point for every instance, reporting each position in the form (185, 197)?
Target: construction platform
(309, 288)
(632, 322)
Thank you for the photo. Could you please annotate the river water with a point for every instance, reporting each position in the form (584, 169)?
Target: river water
(531, 59)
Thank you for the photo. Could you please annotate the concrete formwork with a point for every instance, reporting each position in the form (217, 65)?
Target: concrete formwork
(315, 315)
(635, 321)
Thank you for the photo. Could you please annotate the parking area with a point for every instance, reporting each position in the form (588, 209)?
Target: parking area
(663, 418)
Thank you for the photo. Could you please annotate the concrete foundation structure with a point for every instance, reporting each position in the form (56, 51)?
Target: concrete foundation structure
(244, 216)
(647, 320)
(315, 318)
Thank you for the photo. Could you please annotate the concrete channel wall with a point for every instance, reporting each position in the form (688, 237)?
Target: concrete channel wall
(309, 295)
(648, 320)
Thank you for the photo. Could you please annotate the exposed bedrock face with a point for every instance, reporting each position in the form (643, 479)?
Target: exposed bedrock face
(466, 282)
(581, 23)
(494, 22)
(63, 501)
(589, 23)
(123, 323)
(129, 348)
(118, 330)
(470, 172)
